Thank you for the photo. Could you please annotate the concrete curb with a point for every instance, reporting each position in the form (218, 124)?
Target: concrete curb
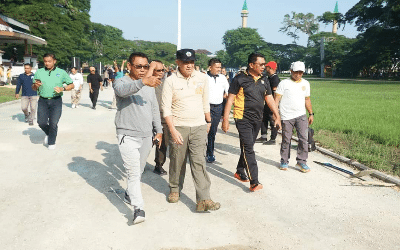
(381, 176)
(9, 103)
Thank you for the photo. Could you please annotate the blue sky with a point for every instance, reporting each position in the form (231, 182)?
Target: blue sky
(204, 22)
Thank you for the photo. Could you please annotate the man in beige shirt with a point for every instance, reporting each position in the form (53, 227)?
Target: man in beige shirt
(186, 111)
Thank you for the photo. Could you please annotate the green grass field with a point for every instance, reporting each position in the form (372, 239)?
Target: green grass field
(360, 120)
(7, 94)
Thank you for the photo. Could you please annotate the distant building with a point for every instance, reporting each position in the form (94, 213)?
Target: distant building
(13, 32)
(245, 14)
(205, 52)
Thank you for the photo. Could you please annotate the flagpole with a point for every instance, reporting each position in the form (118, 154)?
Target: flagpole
(179, 25)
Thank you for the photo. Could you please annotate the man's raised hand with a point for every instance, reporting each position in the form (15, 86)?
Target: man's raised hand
(151, 81)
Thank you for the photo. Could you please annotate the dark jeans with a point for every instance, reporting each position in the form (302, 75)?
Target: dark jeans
(105, 82)
(216, 113)
(248, 131)
(48, 114)
(267, 119)
(93, 96)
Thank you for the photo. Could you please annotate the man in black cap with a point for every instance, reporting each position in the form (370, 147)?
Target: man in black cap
(186, 111)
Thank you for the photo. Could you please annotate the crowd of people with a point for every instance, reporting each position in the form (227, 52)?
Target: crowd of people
(181, 111)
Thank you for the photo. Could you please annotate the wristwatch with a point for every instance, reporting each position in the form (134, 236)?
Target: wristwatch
(63, 88)
(208, 121)
(311, 114)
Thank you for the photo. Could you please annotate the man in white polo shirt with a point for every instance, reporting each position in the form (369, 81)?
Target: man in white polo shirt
(218, 87)
(77, 78)
(293, 98)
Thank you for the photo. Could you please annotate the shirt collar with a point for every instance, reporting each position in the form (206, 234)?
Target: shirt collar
(215, 76)
(179, 74)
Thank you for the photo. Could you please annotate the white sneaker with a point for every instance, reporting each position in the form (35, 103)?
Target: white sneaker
(76, 106)
(73, 106)
(52, 147)
(46, 140)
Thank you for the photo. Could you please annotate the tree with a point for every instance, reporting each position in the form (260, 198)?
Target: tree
(306, 23)
(337, 48)
(286, 54)
(378, 45)
(239, 43)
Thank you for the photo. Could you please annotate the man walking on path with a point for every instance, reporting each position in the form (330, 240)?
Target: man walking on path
(218, 90)
(249, 90)
(95, 83)
(77, 78)
(29, 96)
(274, 80)
(49, 82)
(186, 111)
(293, 98)
(161, 152)
(137, 115)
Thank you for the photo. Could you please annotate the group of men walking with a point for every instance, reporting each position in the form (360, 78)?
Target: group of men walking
(182, 112)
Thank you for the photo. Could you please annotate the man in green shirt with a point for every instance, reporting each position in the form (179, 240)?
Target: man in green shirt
(48, 82)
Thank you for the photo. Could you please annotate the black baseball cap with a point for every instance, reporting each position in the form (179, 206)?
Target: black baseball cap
(186, 55)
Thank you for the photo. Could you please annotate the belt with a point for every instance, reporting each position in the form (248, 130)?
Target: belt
(50, 98)
(215, 104)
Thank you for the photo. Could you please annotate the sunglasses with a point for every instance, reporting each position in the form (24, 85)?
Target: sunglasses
(159, 70)
(141, 66)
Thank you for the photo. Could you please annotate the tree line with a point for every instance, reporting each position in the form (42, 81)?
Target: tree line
(66, 26)
(375, 50)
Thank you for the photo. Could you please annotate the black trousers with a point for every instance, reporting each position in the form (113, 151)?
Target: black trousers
(248, 131)
(216, 112)
(268, 120)
(161, 152)
(93, 96)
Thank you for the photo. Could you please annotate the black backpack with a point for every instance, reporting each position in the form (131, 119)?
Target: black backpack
(311, 142)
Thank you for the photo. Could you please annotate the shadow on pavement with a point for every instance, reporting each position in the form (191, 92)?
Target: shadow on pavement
(104, 177)
(224, 174)
(35, 135)
(20, 117)
(160, 185)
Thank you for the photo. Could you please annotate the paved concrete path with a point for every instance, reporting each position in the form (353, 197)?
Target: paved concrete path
(63, 199)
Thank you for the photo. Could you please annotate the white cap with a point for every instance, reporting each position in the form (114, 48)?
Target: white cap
(298, 66)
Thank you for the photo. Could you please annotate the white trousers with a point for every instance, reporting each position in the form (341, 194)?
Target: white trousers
(134, 153)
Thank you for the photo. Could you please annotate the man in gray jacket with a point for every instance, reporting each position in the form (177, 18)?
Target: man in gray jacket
(137, 115)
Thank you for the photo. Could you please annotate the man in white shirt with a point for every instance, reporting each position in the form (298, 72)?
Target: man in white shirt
(77, 78)
(293, 98)
(218, 87)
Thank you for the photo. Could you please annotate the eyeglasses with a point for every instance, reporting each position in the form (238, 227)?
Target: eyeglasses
(141, 66)
(159, 70)
(261, 64)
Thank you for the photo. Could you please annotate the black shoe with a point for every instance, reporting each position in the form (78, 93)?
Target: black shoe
(210, 159)
(127, 199)
(261, 140)
(241, 177)
(138, 216)
(159, 171)
(270, 142)
(30, 123)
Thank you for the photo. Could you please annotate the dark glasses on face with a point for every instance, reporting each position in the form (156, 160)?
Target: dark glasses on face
(141, 66)
(159, 70)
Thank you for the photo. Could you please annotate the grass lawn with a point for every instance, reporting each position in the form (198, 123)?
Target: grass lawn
(7, 94)
(359, 120)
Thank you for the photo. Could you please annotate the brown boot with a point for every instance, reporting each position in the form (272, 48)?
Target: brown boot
(173, 197)
(207, 205)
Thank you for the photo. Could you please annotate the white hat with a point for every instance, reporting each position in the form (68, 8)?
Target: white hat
(298, 66)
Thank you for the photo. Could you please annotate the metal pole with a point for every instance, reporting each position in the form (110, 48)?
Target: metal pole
(178, 47)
